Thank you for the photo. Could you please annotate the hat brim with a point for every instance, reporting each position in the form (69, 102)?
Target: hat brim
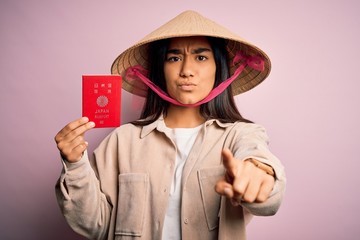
(189, 24)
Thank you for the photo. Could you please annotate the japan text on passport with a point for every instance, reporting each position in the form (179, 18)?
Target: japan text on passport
(101, 99)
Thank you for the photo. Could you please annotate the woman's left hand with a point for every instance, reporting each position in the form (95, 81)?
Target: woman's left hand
(243, 181)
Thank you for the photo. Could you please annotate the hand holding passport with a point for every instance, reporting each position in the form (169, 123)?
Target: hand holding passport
(101, 99)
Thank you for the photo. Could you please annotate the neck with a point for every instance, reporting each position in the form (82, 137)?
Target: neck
(183, 117)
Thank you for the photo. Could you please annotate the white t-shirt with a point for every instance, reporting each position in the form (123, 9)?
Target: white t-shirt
(184, 139)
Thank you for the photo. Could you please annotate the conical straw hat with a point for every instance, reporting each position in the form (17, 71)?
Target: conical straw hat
(191, 23)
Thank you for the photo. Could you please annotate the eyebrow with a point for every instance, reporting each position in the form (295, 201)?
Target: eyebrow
(195, 51)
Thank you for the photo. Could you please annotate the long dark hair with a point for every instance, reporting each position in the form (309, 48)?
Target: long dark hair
(221, 107)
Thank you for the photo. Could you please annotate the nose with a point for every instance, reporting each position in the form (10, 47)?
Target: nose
(186, 69)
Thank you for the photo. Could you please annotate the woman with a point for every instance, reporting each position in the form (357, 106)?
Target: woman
(192, 167)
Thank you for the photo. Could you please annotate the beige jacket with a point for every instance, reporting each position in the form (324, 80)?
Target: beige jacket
(122, 192)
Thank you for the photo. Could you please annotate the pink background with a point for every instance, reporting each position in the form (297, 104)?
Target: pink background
(309, 104)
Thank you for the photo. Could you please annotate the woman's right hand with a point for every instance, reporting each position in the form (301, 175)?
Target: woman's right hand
(70, 140)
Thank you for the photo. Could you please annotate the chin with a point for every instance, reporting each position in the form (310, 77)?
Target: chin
(188, 101)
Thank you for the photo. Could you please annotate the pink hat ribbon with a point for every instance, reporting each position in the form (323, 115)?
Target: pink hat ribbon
(256, 62)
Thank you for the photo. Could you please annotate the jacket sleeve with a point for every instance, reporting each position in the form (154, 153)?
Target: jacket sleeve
(252, 142)
(84, 206)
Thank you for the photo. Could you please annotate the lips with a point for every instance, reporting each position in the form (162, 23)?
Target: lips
(187, 86)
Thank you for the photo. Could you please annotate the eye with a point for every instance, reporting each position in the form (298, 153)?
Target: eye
(201, 58)
(173, 59)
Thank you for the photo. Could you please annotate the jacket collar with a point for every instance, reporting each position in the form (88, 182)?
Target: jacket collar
(160, 126)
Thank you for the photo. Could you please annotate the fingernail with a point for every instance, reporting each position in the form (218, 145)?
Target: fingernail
(91, 124)
(85, 119)
(228, 191)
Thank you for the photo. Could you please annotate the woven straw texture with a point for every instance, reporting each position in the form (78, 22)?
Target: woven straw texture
(190, 23)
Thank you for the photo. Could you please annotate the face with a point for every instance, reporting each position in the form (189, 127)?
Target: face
(189, 69)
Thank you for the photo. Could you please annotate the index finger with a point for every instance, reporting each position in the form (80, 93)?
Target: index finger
(229, 163)
(71, 127)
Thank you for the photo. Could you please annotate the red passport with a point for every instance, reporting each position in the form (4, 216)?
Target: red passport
(101, 99)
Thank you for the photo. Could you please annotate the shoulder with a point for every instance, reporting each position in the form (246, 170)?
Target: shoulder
(243, 130)
(125, 134)
(248, 127)
(239, 126)
(127, 129)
